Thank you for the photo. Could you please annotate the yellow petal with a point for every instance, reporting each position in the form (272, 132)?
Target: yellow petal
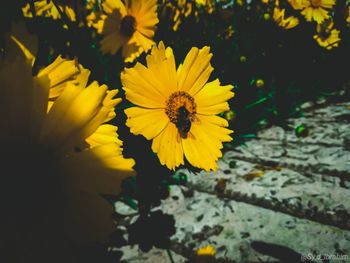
(98, 170)
(112, 42)
(215, 127)
(203, 145)
(131, 50)
(142, 87)
(147, 15)
(307, 12)
(110, 23)
(327, 3)
(146, 122)
(211, 99)
(73, 109)
(62, 70)
(161, 63)
(195, 70)
(110, 5)
(105, 134)
(319, 15)
(143, 41)
(168, 147)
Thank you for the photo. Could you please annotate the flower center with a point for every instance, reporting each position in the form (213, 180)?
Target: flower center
(181, 110)
(128, 26)
(315, 3)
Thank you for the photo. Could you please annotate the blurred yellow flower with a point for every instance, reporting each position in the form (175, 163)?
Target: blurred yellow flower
(287, 23)
(130, 26)
(179, 10)
(209, 5)
(58, 156)
(48, 9)
(327, 37)
(177, 109)
(206, 251)
(316, 9)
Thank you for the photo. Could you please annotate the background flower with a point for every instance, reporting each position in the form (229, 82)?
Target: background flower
(177, 108)
(130, 26)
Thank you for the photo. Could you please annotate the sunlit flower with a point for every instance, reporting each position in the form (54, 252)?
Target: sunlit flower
(49, 9)
(130, 26)
(327, 36)
(177, 109)
(282, 21)
(58, 156)
(316, 9)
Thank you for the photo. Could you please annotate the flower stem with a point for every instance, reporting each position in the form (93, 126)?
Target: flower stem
(170, 256)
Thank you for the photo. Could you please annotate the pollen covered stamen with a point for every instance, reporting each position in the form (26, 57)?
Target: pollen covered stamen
(128, 26)
(176, 101)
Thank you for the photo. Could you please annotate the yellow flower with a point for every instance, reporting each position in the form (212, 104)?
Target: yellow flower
(209, 5)
(206, 251)
(326, 36)
(287, 23)
(48, 9)
(130, 26)
(58, 156)
(177, 109)
(316, 9)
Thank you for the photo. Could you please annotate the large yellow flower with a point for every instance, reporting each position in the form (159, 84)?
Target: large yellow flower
(316, 9)
(177, 109)
(58, 155)
(130, 25)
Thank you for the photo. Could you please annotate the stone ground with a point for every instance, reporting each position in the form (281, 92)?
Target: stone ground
(277, 198)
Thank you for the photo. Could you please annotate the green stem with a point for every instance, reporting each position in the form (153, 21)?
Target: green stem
(170, 256)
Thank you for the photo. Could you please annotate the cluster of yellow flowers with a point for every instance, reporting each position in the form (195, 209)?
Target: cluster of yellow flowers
(61, 120)
(318, 11)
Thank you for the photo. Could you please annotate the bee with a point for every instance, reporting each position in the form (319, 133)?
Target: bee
(183, 122)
